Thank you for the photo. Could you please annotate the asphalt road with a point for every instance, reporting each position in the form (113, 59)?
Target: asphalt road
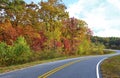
(82, 67)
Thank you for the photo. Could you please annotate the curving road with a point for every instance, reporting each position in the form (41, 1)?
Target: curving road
(82, 67)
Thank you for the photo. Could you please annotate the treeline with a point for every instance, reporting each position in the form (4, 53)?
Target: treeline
(109, 42)
(30, 32)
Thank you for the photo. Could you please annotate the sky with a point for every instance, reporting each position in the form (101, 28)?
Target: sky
(102, 16)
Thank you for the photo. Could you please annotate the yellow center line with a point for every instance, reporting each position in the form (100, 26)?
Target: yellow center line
(57, 69)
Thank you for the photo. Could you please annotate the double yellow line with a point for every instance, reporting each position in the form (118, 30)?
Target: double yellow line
(57, 69)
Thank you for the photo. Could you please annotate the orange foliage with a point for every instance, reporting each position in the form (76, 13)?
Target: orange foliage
(7, 33)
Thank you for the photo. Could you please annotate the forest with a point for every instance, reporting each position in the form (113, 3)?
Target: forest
(31, 32)
(109, 42)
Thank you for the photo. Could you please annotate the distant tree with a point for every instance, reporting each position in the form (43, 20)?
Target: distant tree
(109, 42)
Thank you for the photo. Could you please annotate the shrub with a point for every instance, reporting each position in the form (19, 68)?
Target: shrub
(49, 54)
(6, 54)
(2, 53)
(14, 54)
(97, 48)
(21, 50)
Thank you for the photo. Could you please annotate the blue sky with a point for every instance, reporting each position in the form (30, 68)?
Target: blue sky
(102, 16)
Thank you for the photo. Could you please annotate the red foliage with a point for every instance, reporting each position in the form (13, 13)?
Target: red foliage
(67, 45)
(58, 44)
(38, 43)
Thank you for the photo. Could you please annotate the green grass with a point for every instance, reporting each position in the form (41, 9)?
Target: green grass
(15, 67)
(110, 68)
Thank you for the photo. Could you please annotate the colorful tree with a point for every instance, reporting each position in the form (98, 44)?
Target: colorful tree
(8, 34)
(51, 13)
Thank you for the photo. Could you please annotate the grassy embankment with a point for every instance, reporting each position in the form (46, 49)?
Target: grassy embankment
(15, 67)
(110, 68)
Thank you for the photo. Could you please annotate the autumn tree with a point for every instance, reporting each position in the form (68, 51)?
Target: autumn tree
(13, 10)
(8, 34)
(76, 32)
(51, 13)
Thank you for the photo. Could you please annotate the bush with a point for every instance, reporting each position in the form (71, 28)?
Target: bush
(14, 54)
(21, 50)
(3, 53)
(83, 48)
(6, 54)
(49, 54)
(97, 48)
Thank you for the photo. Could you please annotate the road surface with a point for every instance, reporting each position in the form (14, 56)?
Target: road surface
(82, 67)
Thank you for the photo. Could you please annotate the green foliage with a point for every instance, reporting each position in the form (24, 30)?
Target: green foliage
(109, 42)
(49, 54)
(3, 53)
(6, 54)
(97, 48)
(15, 54)
(21, 50)
(83, 48)
(87, 48)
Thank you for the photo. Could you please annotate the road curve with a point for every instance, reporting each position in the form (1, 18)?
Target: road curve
(82, 67)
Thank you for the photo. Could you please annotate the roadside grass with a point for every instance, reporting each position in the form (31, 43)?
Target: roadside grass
(16, 67)
(110, 68)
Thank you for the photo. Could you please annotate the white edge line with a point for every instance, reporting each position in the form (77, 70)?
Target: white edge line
(97, 67)
(98, 64)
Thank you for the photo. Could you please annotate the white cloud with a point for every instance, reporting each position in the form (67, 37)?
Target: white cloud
(75, 8)
(102, 16)
(109, 33)
(115, 3)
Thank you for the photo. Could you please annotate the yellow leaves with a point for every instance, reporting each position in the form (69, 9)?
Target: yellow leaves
(36, 35)
(68, 36)
(5, 25)
(55, 34)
